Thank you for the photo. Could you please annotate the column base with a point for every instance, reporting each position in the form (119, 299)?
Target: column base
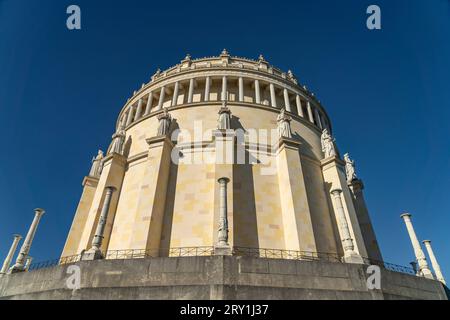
(353, 257)
(92, 254)
(222, 250)
(17, 269)
(427, 274)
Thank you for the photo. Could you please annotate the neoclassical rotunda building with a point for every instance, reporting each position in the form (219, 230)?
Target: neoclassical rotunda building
(222, 181)
(212, 118)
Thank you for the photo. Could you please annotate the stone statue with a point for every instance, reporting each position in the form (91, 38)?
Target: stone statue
(118, 141)
(224, 122)
(350, 168)
(97, 165)
(328, 147)
(224, 52)
(284, 124)
(261, 58)
(165, 119)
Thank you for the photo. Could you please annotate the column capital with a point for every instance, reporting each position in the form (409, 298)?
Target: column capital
(426, 241)
(110, 189)
(405, 215)
(336, 192)
(223, 180)
(17, 236)
(39, 211)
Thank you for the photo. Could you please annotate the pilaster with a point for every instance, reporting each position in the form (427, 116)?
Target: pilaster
(297, 225)
(146, 232)
(81, 216)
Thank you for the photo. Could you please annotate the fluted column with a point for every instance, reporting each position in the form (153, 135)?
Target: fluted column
(175, 94)
(130, 115)
(273, 97)
(148, 108)
(191, 90)
(24, 251)
(241, 89)
(98, 238)
(207, 88)
(310, 113)
(347, 241)
(434, 263)
(257, 92)
(420, 256)
(139, 110)
(223, 213)
(298, 101)
(10, 256)
(224, 89)
(162, 96)
(287, 103)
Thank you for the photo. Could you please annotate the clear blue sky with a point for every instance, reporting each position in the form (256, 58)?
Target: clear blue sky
(387, 92)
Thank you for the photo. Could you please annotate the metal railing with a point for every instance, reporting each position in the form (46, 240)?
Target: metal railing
(209, 251)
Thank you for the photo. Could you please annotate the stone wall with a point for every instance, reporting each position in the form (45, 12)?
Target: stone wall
(216, 277)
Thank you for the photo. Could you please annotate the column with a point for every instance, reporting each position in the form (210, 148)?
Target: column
(207, 88)
(130, 115)
(21, 258)
(319, 123)
(191, 91)
(162, 96)
(424, 270)
(434, 263)
(175, 94)
(223, 247)
(350, 256)
(273, 98)
(287, 103)
(148, 108)
(298, 101)
(28, 263)
(95, 252)
(10, 256)
(310, 113)
(224, 89)
(257, 92)
(139, 110)
(241, 89)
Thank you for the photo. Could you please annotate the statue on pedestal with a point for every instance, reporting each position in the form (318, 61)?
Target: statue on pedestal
(165, 119)
(97, 165)
(350, 168)
(328, 147)
(224, 122)
(118, 141)
(284, 124)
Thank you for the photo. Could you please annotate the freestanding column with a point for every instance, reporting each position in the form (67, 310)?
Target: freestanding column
(224, 89)
(148, 108)
(434, 263)
(287, 103)
(23, 254)
(273, 98)
(95, 252)
(139, 110)
(11, 253)
(207, 88)
(424, 270)
(257, 92)
(130, 116)
(310, 113)
(191, 91)
(175, 94)
(241, 89)
(319, 123)
(222, 242)
(347, 242)
(162, 96)
(299, 106)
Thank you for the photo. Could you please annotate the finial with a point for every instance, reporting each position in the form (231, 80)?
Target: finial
(188, 57)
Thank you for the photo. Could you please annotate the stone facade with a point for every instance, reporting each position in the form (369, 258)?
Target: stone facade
(280, 198)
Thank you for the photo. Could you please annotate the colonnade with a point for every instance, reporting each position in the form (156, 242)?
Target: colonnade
(248, 90)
